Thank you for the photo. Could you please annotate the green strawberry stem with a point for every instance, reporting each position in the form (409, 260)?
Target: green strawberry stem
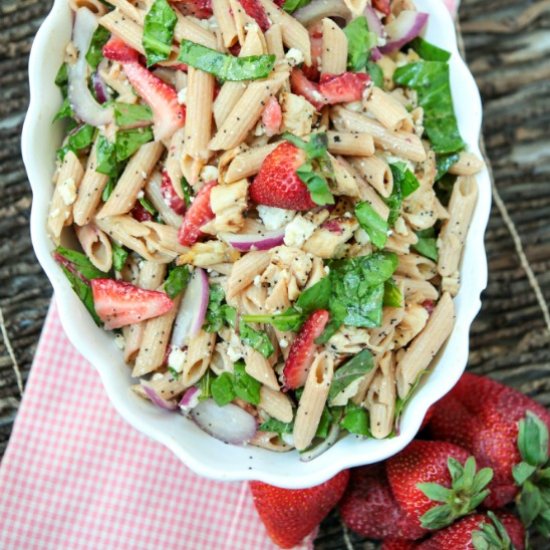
(467, 492)
(532, 475)
(492, 537)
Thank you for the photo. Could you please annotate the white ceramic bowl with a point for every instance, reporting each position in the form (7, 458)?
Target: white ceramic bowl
(200, 452)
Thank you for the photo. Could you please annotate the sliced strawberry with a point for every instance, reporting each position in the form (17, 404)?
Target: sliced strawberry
(343, 88)
(170, 196)
(398, 544)
(196, 216)
(140, 214)
(429, 306)
(310, 90)
(272, 117)
(168, 114)
(277, 183)
(119, 304)
(201, 9)
(254, 9)
(316, 39)
(116, 49)
(303, 349)
(382, 6)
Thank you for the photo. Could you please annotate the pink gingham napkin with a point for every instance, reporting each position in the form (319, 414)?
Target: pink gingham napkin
(76, 476)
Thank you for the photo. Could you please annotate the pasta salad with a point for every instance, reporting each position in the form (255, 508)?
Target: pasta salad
(271, 201)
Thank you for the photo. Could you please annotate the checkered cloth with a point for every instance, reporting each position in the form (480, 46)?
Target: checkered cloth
(76, 476)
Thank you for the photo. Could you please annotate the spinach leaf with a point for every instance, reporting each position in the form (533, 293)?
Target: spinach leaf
(349, 374)
(218, 314)
(444, 163)
(128, 115)
(246, 387)
(291, 319)
(376, 74)
(120, 254)
(392, 294)
(315, 297)
(108, 189)
(80, 262)
(177, 281)
(324, 423)
(65, 111)
(404, 184)
(256, 339)
(374, 224)
(78, 140)
(94, 54)
(223, 66)
(429, 51)
(129, 141)
(158, 32)
(222, 389)
(360, 42)
(431, 81)
(205, 385)
(291, 6)
(274, 425)
(427, 244)
(356, 420)
(316, 183)
(62, 78)
(106, 157)
(187, 191)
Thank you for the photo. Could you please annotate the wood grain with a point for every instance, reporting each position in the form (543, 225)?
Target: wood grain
(508, 50)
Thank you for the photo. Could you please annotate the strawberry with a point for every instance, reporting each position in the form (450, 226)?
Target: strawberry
(277, 183)
(168, 114)
(254, 9)
(303, 349)
(119, 304)
(291, 514)
(316, 39)
(479, 531)
(170, 196)
(272, 117)
(140, 214)
(382, 6)
(310, 90)
(398, 544)
(343, 88)
(484, 417)
(428, 471)
(369, 508)
(201, 9)
(196, 216)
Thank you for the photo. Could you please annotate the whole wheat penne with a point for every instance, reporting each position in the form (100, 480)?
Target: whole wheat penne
(241, 19)
(467, 164)
(386, 109)
(188, 29)
(132, 180)
(128, 9)
(245, 270)
(276, 404)
(270, 441)
(154, 341)
(416, 290)
(64, 195)
(274, 40)
(295, 35)
(222, 12)
(246, 112)
(453, 232)
(414, 320)
(153, 191)
(404, 144)
(163, 238)
(125, 28)
(381, 397)
(95, 6)
(257, 366)
(200, 349)
(230, 92)
(172, 164)
(313, 400)
(353, 144)
(376, 173)
(416, 267)
(425, 346)
(365, 383)
(357, 7)
(248, 163)
(334, 55)
(96, 245)
(198, 120)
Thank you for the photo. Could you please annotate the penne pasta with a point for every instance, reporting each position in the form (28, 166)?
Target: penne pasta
(248, 163)
(154, 192)
(381, 396)
(376, 173)
(467, 164)
(416, 267)
(350, 144)
(96, 245)
(334, 54)
(244, 271)
(259, 368)
(226, 22)
(200, 349)
(274, 40)
(387, 110)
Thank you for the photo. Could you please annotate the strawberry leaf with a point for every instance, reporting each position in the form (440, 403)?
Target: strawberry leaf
(492, 536)
(522, 472)
(434, 491)
(530, 503)
(533, 440)
(437, 517)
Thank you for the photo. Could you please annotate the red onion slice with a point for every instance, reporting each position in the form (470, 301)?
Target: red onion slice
(192, 310)
(373, 21)
(167, 405)
(406, 27)
(81, 99)
(254, 241)
(229, 424)
(101, 89)
(375, 54)
(320, 9)
(190, 399)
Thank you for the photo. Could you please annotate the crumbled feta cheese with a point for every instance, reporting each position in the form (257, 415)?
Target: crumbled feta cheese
(326, 269)
(234, 350)
(257, 280)
(298, 231)
(209, 173)
(141, 194)
(283, 343)
(67, 191)
(251, 26)
(274, 218)
(54, 213)
(182, 96)
(361, 236)
(288, 438)
(294, 56)
(144, 174)
(348, 215)
(176, 359)
(157, 376)
(119, 341)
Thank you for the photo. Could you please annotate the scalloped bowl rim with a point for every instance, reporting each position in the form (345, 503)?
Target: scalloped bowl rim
(200, 452)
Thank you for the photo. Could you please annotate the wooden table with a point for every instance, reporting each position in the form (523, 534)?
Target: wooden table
(508, 49)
